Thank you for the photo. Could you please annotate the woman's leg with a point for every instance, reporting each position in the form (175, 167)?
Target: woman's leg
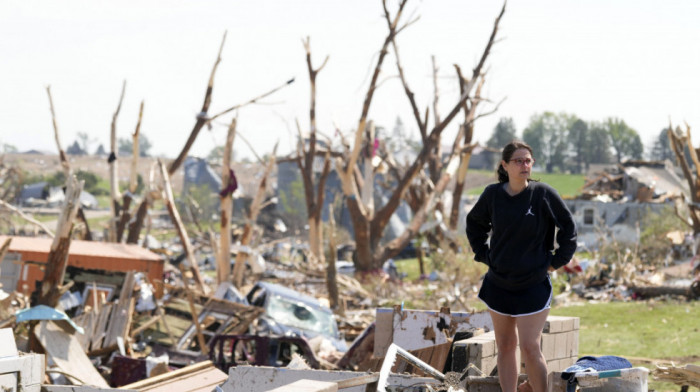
(507, 343)
(530, 334)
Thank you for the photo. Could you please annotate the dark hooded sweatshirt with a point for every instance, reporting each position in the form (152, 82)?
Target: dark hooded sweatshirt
(522, 227)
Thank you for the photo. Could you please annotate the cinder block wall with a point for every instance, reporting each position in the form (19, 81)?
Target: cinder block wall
(559, 346)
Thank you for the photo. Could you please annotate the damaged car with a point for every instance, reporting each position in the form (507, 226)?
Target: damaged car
(290, 313)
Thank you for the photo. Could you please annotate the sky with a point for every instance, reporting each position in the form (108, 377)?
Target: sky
(638, 60)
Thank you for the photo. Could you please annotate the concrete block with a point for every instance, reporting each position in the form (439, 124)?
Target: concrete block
(264, 378)
(308, 386)
(487, 364)
(560, 348)
(574, 343)
(548, 343)
(554, 324)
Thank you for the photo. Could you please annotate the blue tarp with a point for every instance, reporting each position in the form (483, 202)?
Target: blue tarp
(43, 312)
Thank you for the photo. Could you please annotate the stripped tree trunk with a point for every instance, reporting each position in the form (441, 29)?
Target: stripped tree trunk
(133, 180)
(182, 232)
(114, 192)
(223, 260)
(306, 155)
(255, 207)
(65, 164)
(52, 285)
(331, 273)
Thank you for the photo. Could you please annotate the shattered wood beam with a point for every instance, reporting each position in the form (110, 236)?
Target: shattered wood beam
(255, 207)
(182, 232)
(51, 287)
(27, 218)
(223, 260)
(114, 171)
(195, 320)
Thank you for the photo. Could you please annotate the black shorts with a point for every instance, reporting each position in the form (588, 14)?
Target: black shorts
(517, 302)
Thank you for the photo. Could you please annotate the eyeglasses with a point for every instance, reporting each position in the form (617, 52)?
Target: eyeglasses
(523, 161)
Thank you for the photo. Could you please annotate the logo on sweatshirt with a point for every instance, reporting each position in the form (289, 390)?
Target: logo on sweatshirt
(529, 212)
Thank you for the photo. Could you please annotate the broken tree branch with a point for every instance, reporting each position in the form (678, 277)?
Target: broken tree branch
(61, 153)
(27, 218)
(182, 232)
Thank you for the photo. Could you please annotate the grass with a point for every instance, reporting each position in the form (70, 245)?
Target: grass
(639, 331)
(658, 330)
(568, 185)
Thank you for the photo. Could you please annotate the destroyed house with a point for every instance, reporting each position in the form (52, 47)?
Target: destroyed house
(614, 201)
(100, 262)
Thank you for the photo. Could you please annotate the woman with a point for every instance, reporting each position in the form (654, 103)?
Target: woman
(511, 229)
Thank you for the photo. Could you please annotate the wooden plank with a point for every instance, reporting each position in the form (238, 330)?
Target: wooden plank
(120, 320)
(67, 354)
(200, 377)
(96, 342)
(87, 322)
(308, 386)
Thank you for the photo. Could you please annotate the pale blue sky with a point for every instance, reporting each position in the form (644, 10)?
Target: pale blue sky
(636, 60)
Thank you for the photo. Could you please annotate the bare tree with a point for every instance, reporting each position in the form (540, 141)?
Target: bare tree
(306, 156)
(369, 225)
(203, 118)
(679, 144)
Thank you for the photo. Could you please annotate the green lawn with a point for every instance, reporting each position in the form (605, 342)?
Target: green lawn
(638, 331)
(568, 185)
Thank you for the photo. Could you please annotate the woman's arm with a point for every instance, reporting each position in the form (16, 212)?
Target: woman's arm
(566, 237)
(478, 228)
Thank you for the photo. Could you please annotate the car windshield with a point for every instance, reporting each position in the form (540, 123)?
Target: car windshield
(296, 314)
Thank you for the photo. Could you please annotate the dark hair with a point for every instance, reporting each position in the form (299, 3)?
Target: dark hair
(507, 153)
